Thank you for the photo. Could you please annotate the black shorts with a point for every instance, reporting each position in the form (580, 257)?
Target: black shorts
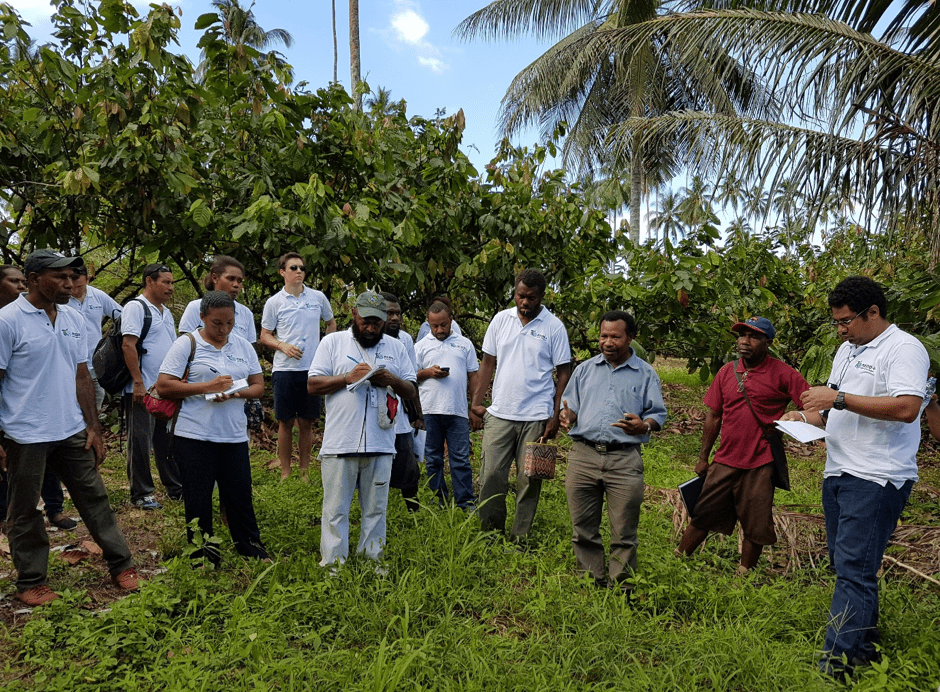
(290, 396)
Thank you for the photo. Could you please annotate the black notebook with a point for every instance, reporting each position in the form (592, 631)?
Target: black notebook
(689, 492)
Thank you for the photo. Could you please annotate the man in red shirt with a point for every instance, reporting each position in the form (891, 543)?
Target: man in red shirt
(738, 484)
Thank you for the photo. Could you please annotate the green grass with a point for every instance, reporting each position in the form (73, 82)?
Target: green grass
(463, 611)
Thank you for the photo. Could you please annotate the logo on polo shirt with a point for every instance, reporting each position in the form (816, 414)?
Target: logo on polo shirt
(382, 356)
(236, 359)
(543, 337)
(459, 347)
(68, 332)
(867, 367)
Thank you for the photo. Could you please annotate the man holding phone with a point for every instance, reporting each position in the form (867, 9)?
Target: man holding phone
(447, 363)
(609, 408)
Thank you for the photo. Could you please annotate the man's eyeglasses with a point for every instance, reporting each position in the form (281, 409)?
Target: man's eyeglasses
(295, 267)
(847, 321)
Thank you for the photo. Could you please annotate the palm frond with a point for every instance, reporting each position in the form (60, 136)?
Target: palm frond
(542, 19)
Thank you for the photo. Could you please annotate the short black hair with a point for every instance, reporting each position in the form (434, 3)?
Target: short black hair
(151, 271)
(215, 299)
(618, 315)
(859, 293)
(439, 306)
(532, 278)
(389, 297)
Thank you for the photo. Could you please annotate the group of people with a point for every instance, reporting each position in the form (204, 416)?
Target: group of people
(391, 400)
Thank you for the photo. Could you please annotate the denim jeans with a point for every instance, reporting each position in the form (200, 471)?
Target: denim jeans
(341, 476)
(860, 518)
(456, 431)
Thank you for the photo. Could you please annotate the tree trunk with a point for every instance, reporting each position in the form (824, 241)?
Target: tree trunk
(354, 70)
(335, 46)
(636, 188)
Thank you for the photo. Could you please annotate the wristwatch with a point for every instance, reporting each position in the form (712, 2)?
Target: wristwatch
(839, 403)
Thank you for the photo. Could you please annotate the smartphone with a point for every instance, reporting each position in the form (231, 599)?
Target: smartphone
(446, 369)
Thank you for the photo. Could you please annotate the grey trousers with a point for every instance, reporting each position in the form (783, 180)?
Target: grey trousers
(504, 442)
(144, 432)
(75, 467)
(589, 477)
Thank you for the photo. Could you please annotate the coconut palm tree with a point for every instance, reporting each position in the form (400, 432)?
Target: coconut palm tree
(355, 71)
(242, 32)
(596, 91)
(667, 221)
(862, 110)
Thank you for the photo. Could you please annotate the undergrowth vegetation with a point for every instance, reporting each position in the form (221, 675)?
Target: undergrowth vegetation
(460, 610)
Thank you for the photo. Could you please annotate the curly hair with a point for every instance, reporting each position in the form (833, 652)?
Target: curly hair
(532, 278)
(618, 315)
(859, 293)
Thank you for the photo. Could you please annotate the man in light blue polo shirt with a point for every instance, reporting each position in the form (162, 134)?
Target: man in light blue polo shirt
(94, 305)
(447, 363)
(290, 324)
(359, 431)
(611, 405)
(524, 345)
(48, 416)
(143, 430)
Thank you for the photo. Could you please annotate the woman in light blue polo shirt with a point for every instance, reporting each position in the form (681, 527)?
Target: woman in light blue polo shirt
(210, 441)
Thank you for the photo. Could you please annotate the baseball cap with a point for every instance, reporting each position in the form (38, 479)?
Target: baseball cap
(371, 304)
(49, 259)
(758, 324)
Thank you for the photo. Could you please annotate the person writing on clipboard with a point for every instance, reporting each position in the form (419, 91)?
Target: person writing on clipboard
(738, 485)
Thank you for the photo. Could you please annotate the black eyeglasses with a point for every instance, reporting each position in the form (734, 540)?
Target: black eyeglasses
(157, 270)
(295, 267)
(847, 321)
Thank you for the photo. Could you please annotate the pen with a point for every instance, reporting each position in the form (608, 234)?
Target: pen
(353, 360)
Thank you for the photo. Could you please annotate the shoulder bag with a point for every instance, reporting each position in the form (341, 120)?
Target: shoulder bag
(781, 474)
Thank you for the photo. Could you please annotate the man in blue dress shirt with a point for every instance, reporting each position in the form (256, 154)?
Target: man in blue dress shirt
(611, 405)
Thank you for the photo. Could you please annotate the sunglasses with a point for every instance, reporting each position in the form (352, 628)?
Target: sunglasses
(295, 267)
(157, 270)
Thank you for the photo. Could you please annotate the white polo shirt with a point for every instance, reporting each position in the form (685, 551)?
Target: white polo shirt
(892, 364)
(352, 418)
(212, 421)
(293, 318)
(39, 402)
(244, 321)
(96, 306)
(446, 396)
(402, 423)
(161, 336)
(526, 355)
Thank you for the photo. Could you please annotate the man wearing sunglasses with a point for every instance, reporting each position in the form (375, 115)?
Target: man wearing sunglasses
(143, 430)
(871, 410)
(290, 324)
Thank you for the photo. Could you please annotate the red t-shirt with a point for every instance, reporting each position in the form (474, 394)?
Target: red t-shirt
(770, 387)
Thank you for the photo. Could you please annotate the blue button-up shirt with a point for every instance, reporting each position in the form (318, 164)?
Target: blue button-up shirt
(600, 394)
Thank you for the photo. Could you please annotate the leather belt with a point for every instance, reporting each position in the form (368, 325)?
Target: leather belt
(605, 447)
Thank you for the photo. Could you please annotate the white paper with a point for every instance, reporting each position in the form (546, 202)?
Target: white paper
(800, 431)
(365, 380)
(237, 386)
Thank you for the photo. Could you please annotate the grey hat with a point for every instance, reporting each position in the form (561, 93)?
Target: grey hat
(371, 304)
(49, 259)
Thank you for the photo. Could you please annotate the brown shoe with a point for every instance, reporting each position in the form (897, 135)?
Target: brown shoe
(37, 596)
(128, 580)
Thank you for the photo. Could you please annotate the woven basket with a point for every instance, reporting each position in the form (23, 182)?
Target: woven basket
(540, 460)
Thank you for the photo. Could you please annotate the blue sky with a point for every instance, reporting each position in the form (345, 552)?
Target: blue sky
(407, 47)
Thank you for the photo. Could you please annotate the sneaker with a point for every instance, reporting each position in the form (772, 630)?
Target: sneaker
(147, 503)
(128, 580)
(37, 596)
(63, 522)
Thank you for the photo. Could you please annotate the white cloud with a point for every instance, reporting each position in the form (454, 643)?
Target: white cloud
(34, 11)
(407, 27)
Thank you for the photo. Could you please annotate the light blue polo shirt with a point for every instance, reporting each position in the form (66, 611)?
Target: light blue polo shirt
(39, 402)
(403, 424)
(600, 394)
(352, 418)
(244, 321)
(161, 336)
(526, 356)
(293, 318)
(446, 396)
(201, 419)
(96, 306)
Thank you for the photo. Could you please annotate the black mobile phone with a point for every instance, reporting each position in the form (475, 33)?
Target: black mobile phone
(446, 369)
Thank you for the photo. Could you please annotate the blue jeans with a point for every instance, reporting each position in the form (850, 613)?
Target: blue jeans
(456, 431)
(860, 518)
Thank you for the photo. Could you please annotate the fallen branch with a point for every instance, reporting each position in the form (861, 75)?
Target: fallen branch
(911, 569)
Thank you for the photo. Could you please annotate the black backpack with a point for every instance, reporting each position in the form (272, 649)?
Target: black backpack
(108, 360)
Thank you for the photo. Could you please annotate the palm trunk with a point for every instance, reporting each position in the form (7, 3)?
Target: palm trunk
(636, 188)
(335, 46)
(354, 68)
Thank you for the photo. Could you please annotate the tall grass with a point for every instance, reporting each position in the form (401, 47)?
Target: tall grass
(460, 610)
